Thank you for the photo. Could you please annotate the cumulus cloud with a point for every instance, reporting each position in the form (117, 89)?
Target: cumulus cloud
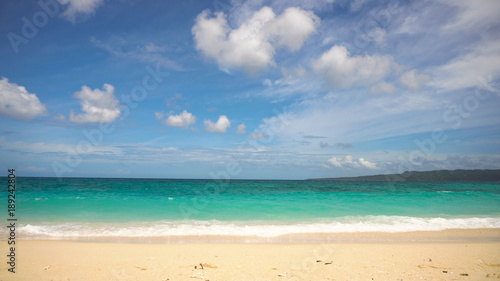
(367, 164)
(413, 80)
(348, 162)
(383, 87)
(335, 162)
(241, 129)
(251, 46)
(219, 127)
(99, 106)
(341, 70)
(76, 9)
(17, 103)
(292, 28)
(182, 120)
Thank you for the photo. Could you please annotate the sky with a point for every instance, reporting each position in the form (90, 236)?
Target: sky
(231, 89)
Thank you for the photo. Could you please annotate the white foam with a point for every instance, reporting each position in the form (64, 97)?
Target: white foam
(253, 228)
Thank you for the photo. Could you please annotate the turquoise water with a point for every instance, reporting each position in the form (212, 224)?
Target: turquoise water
(153, 207)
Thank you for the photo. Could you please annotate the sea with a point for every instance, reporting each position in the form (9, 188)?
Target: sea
(90, 208)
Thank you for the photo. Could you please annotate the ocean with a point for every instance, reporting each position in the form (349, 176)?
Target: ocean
(83, 208)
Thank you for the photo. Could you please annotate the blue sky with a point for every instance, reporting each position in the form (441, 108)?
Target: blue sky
(248, 89)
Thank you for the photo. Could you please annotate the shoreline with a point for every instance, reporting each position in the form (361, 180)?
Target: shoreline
(438, 255)
(439, 236)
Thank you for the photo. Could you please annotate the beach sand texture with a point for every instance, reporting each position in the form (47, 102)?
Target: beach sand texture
(476, 258)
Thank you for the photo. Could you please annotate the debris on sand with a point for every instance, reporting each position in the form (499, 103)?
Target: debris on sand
(207, 265)
(141, 268)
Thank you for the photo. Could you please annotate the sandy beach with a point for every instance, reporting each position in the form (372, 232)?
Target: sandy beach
(440, 255)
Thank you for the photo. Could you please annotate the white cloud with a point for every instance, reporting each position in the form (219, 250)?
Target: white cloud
(335, 162)
(294, 81)
(79, 8)
(413, 80)
(99, 106)
(250, 46)
(477, 58)
(463, 17)
(408, 102)
(383, 87)
(291, 76)
(241, 129)
(473, 13)
(348, 162)
(359, 118)
(17, 103)
(292, 28)
(55, 148)
(464, 71)
(467, 38)
(219, 127)
(367, 164)
(182, 120)
(341, 70)
(244, 48)
(258, 135)
(410, 25)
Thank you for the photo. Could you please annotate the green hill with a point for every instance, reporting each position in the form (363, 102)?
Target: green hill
(438, 175)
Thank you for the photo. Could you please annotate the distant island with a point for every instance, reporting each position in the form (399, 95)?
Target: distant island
(438, 175)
